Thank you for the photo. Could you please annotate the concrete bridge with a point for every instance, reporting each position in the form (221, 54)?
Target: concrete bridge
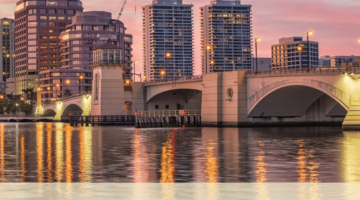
(242, 98)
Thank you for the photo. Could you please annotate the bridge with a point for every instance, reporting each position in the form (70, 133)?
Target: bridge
(244, 97)
(24, 118)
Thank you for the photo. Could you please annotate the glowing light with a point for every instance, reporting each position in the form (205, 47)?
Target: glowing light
(49, 151)
(67, 81)
(68, 151)
(258, 39)
(212, 62)
(167, 162)
(208, 47)
(300, 48)
(1, 96)
(39, 150)
(212, 168)
(58, 85)
(59, 153)
(162, 72)
(168, 55)
(48, 88)
(2, 153)
(261, 166)
(310, 32)
(81, 77)
(127, 82)
(135, 61)
(22, 98)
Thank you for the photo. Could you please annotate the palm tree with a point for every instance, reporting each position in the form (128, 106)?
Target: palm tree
(30, 93)
(67, 92)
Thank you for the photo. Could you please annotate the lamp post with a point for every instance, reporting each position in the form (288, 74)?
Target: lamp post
(57, 90)
(299, 48)
(67, 82)
(81, 77)
(3, 105)
(168, 55)
(207, 48)
(309, 33)
(256, 61)
(135, 70)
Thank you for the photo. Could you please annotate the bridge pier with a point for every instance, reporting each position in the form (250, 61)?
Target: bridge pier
(352, 119)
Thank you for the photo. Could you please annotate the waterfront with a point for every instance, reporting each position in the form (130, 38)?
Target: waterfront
(57, 152)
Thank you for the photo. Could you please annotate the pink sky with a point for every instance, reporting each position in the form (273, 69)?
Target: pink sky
(335, 23)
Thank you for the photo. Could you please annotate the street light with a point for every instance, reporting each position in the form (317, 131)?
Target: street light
(135, 69)
(81, 77)
(22, 98)
(212, 63)
(57, 90)
(168, 55)
(256, 61)
(309, 33)
(299, 48)
(207, 48)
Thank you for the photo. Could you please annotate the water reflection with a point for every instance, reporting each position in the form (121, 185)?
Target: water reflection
(168, 160)
(56, 152)
(2, 153)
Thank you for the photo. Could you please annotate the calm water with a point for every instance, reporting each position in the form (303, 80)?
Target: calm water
(56, 152)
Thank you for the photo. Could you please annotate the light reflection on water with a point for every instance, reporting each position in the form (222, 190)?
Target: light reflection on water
(56, 152)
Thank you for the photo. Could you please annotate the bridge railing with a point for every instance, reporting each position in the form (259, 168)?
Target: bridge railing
(313, 71)
(154, 113)
(74, 96)
(4, 116)
(172, 80)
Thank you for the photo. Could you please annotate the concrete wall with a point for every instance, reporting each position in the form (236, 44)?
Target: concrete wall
(111, 91)
(218, 108)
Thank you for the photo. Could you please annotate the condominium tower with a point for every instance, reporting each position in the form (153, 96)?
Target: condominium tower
(226, 34)
(167, 39)
(292, 53)
(38, 24)
(7, 49)
(87, 31)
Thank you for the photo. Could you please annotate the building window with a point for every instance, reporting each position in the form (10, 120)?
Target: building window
(167, 107)
(156, 107)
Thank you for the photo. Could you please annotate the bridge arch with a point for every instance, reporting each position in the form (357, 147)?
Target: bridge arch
(73, 108)
(49, 113)
(310, 100)
(340, 96)
(156, 89)
(176, 99)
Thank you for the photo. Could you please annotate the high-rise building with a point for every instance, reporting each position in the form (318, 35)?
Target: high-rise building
(38, 24)
(292, 53)
(87, 31)
(7, 49)
(167, 39)
(226, 34)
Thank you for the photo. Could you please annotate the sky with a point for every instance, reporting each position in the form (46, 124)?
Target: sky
(335, 23)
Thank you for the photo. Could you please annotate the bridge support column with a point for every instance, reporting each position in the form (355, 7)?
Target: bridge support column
(59, 108)
(224, 99)
(352, 119)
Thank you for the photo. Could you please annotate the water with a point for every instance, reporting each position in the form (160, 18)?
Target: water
(57, 152)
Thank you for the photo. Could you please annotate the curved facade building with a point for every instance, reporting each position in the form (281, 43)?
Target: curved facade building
(38, 24)
(89, 30)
